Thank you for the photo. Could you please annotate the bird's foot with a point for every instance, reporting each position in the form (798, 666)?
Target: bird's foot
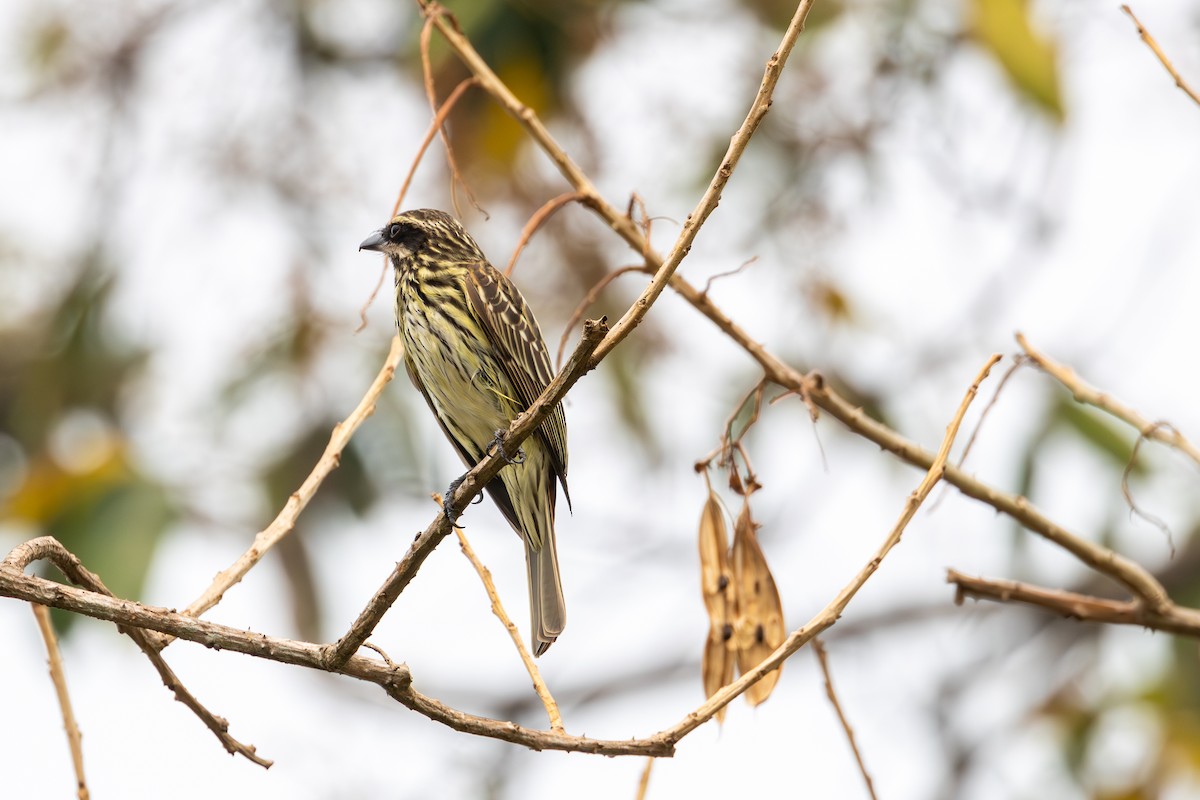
(448, 508)
(448, 499)
(498, 443)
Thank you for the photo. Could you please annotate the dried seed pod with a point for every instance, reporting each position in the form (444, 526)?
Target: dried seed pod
(717, 587)
(714, 560)
(759, 627)
(719, 658)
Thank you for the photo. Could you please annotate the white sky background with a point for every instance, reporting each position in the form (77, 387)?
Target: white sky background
(1113, 292)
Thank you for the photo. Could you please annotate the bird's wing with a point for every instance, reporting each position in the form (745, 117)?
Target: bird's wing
(511, 329)
(495, 487)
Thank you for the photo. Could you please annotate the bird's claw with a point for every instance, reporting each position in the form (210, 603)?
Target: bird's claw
(498, 443)
(448, 499)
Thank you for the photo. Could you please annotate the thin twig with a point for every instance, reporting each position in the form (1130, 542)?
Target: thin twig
(535, 674)
(823, 660)
(586, 303)
(1084, 393)
(644, 780)
(1018, 362)
(456, 177)
(727, 274)
(471, 485)
(438, 120)
(536, 221)
(983, 415)
(47, 547)
(1134, 508)
(1162, 57)
(59, 676)
(1171, 619)
(283, 524)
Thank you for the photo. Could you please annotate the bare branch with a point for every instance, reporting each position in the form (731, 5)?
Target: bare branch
(1134, 508)
(456, 177)
(536, 221)
(438, 120)
(823, 660)
(14, 583)
(59, 677)
(1171, 619)
(812, 388)
(586, 303)
(1162, 57)
(1084, 393)
(396, 680)
(644, 780)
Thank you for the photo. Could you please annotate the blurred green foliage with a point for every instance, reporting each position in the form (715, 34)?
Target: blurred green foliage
(62, 376)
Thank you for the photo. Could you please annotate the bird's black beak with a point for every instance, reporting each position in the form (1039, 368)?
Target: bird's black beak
(373, 242)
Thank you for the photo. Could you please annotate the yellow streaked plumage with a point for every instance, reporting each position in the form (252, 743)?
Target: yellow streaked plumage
(474, 350)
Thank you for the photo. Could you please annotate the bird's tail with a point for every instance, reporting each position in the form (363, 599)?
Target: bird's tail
(546, 605)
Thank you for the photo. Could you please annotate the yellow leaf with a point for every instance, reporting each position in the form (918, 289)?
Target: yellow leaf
(1003, 28)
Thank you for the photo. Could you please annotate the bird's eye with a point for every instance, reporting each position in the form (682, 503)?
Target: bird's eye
(394, 231)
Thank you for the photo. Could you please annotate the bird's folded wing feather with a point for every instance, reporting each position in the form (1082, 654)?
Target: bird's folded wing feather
(522, 351)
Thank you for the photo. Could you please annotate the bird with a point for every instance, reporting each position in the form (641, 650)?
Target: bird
(474, 350)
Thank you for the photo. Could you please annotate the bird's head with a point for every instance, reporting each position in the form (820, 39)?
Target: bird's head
(426, 233)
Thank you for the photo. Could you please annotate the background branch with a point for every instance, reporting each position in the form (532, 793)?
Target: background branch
(823, 662)
(1085, 393)
(1171, 619)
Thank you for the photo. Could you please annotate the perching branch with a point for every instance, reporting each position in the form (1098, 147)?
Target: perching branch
(395, 679)
(472, 484)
